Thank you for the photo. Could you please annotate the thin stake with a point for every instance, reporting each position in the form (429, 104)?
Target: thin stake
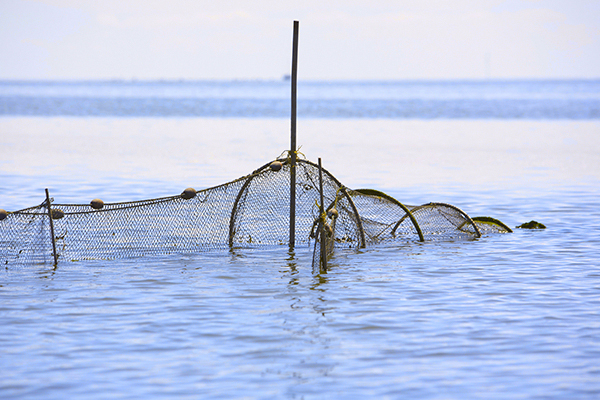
(51, 228)
(293, 138)
(322, 223)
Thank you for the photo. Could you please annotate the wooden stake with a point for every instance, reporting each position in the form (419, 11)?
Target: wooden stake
(322, 233)
(293, 139)
(51, 228)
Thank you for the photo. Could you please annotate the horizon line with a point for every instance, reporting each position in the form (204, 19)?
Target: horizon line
(286, 80)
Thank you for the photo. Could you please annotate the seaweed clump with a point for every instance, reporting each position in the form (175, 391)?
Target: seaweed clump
(532, 225)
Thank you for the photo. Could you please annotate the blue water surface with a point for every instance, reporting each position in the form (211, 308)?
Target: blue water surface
(528, 99)
(506, 316)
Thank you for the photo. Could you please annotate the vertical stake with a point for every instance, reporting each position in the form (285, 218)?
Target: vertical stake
(293, 138)
(322, 233)
(51, 228)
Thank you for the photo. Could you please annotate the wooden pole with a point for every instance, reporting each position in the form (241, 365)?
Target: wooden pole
(293, 138)
(51, 228)
(322, 233)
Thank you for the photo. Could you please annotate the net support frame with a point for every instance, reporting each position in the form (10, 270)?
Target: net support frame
(406, 210)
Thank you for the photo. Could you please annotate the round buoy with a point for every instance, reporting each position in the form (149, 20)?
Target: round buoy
(97, 204)
(276, 166)
(332, 213)
(3, 214)
(57, 213)
(188, 193)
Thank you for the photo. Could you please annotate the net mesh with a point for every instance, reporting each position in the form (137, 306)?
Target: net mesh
(248, 212)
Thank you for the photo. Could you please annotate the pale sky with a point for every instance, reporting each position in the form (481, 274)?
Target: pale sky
(339, 39)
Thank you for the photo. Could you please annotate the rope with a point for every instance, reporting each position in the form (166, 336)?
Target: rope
(287, 155)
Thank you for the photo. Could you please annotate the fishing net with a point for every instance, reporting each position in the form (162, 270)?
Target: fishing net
(252, 211)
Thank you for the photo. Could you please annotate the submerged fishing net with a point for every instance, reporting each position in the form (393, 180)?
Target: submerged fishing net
(252, 211)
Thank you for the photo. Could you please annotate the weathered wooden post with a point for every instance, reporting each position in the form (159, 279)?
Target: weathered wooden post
(51, 228)
(293, 139)
(322, 233)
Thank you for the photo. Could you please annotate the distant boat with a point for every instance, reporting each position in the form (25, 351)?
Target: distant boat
(286, 77)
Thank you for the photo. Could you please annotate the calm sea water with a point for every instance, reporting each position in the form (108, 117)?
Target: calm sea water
(260, 99)
(512, 316)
